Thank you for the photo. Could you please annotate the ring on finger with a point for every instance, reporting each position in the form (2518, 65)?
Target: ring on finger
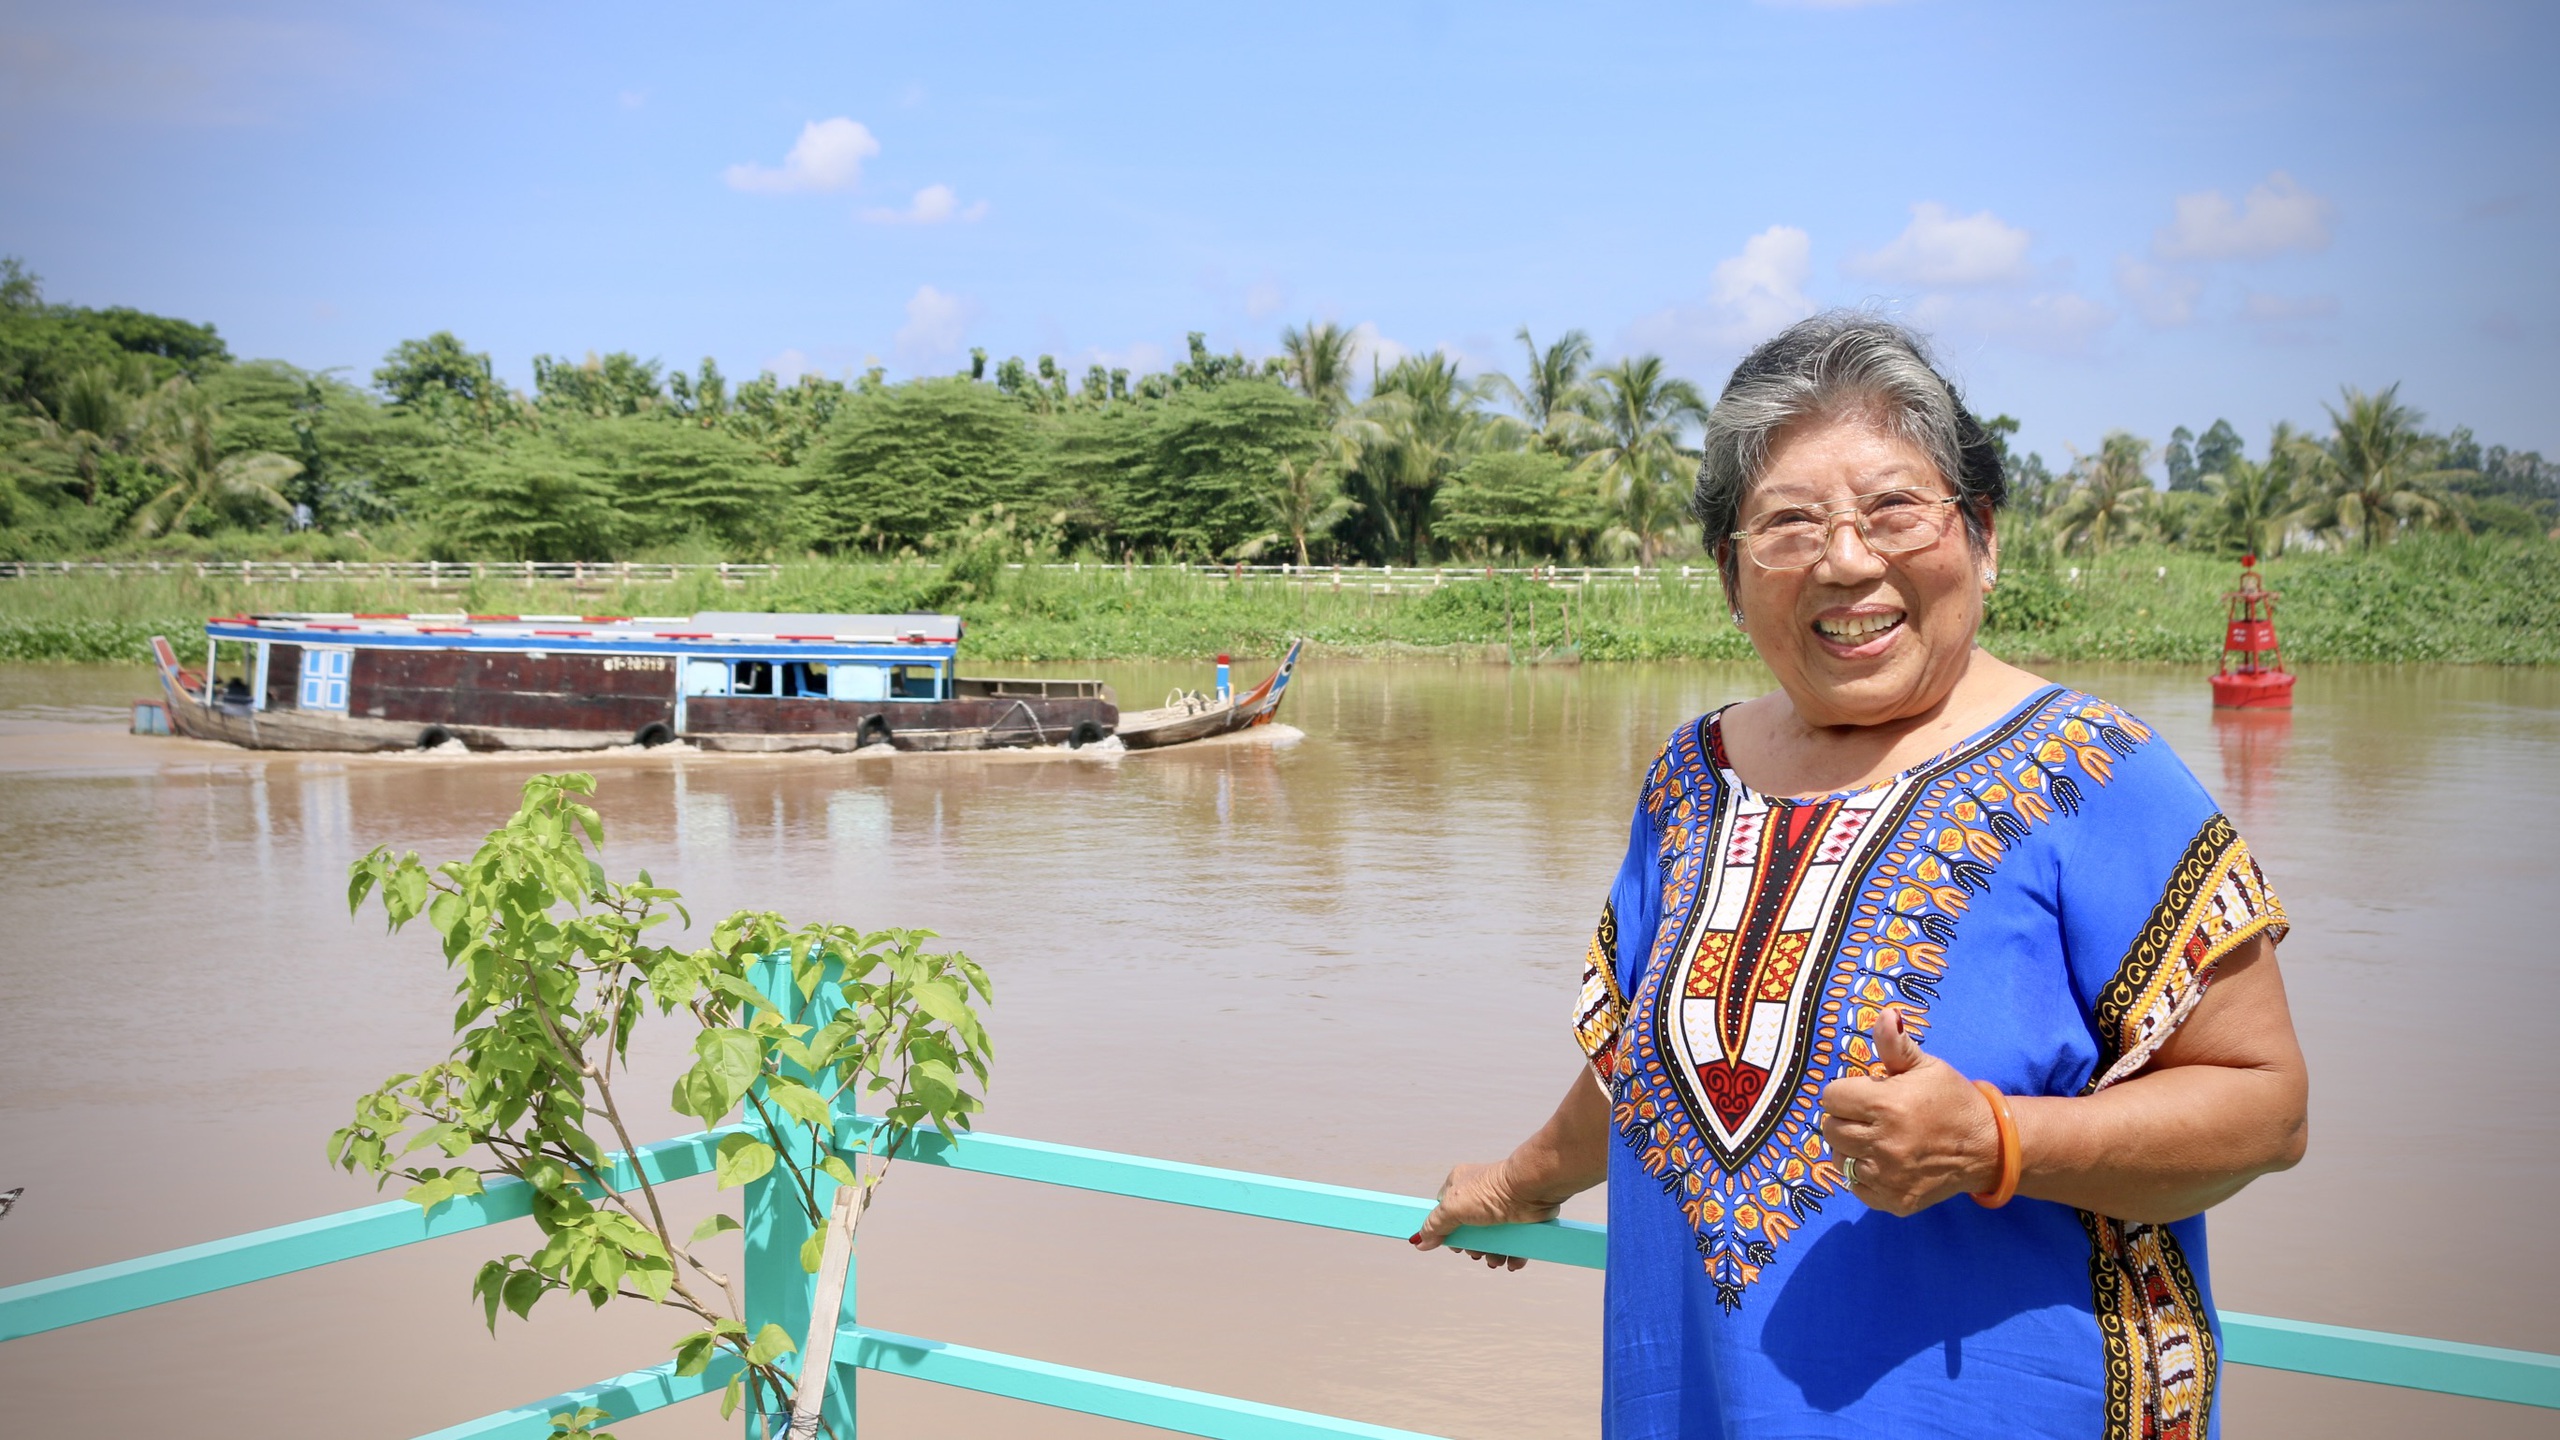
(1849, 1170)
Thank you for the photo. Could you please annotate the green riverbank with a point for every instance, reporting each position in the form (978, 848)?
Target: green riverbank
(2427, 599)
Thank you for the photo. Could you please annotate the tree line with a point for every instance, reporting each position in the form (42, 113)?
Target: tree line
(121, 430)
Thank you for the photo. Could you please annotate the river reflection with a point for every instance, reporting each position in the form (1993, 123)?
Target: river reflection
(1347, 958)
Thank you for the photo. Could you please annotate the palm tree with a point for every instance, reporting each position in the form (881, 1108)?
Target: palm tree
(1317, 362)
(2378, 472)
(103, 409)
(1555, 401)
(185, 447)
(2110, 493)
(2249, 506)
(1421, 422)
(1640, 465)
(1304, 498)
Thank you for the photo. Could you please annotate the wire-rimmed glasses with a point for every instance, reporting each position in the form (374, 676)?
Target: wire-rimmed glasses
(1891, 522)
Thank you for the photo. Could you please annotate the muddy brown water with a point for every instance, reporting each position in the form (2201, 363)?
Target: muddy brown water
(1345, 956)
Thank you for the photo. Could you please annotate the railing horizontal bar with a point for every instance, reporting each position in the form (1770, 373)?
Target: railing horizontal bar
(2519, 1377)
(619, 1398)
(93, 1294)
(1237, 1192)
(1064, 1387)
(2450, 1367)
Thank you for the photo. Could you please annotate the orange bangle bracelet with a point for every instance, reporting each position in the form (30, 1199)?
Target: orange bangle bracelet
(2010, 1160)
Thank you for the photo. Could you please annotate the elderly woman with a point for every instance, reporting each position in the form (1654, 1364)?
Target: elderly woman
(1933, 1004)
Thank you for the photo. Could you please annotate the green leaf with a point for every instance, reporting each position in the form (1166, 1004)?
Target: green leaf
(488, 1285)
(702, 1093)
(942, 1000)
(448, 912)
(772, 1343)
(715, 1224)
(523, 1288)
(653, 1277)
(834, 1167)
(743, 1158)
(693, 1352)
(813, 1250)
(729, 1397)
(799, 1101)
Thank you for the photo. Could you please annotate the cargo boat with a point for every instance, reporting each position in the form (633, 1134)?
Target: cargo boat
(718, 681)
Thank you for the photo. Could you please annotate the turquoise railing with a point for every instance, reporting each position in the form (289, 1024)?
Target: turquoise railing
(778, 1292)
(2518, 1376)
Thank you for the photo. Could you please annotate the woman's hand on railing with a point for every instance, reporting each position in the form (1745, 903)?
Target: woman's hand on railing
(1480, 1195)
(1568, 1155)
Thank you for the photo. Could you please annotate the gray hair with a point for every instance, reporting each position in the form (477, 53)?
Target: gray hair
(1840, 363)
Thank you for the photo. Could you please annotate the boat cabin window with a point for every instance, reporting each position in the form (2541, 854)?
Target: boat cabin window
(915, 682)
(804, 680)
(752, 677)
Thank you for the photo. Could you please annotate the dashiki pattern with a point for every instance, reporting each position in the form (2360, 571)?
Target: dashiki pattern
(2062, 875)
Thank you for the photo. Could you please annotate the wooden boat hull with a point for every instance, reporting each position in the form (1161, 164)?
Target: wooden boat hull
(1177, 724)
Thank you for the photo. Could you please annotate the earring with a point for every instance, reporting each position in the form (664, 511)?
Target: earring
(1737, 619)
(1990, 577)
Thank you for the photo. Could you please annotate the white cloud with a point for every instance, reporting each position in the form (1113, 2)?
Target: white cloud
(1941, 249)
(827, 156)
(1750, 297)
(2164, 298)
(1761, 290)
(2275, 216)
(936, 324)
(1144, 357)
(932, 205)
(2056, 322)
(1371, 349)
(2264, 308)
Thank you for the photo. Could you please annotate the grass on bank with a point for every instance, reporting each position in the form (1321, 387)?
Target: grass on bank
(2428, 598)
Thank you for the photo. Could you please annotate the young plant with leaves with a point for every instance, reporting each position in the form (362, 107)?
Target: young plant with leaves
(555, 970)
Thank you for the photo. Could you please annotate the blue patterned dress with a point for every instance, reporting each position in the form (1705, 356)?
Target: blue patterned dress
(2046, 901)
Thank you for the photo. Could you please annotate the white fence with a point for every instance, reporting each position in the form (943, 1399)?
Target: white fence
(600, 573)
(421, 572)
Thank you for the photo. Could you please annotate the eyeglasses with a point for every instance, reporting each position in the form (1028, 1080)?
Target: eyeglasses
(1891, 522)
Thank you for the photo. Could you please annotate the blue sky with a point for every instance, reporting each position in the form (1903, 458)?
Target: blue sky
(2109, 215)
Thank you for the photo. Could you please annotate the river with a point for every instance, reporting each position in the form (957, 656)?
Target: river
(1344, 953)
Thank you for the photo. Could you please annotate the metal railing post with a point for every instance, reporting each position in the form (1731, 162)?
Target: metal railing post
(778, 1290)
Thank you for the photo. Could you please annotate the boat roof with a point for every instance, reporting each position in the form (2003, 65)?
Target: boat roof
(816, 633)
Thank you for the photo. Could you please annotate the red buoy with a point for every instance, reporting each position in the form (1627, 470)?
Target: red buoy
(2252, 676)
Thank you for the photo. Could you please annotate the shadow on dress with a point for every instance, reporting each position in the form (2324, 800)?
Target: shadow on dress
(1871, 1295)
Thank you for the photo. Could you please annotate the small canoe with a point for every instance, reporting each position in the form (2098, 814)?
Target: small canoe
(1196, 717)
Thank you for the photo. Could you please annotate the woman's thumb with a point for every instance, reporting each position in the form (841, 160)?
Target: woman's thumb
(1894, 1045)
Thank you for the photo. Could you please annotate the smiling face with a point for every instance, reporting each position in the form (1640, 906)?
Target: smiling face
(1858, 638)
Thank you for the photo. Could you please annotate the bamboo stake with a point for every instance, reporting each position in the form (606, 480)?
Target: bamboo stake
(817, 1352)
